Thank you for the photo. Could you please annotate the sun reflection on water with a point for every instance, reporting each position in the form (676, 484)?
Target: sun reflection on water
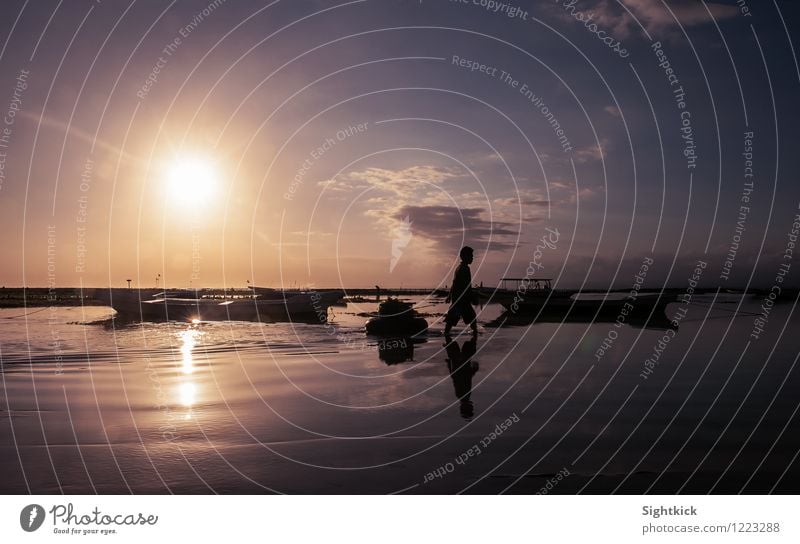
(189, 339)
(187, 388)
(188, 393)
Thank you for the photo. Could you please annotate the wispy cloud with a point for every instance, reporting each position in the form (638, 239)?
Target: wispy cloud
(568, 194)
(659, 18)
(595, 152)
(405, 182)
(527, 206)
(442, 209)
(75, 132)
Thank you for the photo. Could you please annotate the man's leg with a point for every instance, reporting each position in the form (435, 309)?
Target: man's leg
(450, 318)
(470, 318)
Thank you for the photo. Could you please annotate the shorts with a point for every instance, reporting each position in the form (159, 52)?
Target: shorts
(460, 311)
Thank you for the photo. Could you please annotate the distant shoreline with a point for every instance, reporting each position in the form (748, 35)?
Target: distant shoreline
(16, 297)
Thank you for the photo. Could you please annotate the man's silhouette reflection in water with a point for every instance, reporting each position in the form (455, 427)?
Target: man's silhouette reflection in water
(462, 368)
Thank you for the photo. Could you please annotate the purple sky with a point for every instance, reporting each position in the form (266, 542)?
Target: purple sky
(361, 143)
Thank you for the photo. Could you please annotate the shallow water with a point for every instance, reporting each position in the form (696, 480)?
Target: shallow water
(88, 405)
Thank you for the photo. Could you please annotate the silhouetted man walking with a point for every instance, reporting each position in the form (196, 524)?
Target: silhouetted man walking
(460, 295)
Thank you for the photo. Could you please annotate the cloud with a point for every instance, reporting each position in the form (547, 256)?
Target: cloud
(521, 201)
(442, 219)
(626, 17)
(450, 227)
(309, 233)
(593, 152)
(565, 193)
(405, 182)
(527, 205)
(612, 111)
(587, 193)
(581, 155)
(607, 16)
(613, 18)
(75, 132)
(295, 238)
(658, 16)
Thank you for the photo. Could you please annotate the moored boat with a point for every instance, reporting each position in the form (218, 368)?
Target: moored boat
(396, 318)
(533, 296)
(188, 305)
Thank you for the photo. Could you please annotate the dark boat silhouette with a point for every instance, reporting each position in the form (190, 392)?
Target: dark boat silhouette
(535, 297)
(260, 304)
(396, 318)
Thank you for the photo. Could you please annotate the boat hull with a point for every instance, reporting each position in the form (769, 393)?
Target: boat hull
(304, 307)
(644, 305)
(396, 326)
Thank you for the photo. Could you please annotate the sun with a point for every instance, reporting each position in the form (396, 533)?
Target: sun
(192, 180)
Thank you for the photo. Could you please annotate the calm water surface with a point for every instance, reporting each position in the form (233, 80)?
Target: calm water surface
(89, 405)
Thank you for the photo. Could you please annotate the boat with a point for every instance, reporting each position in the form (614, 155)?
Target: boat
(396, 318)
(536, 296)
(657, 321)
(257, 304)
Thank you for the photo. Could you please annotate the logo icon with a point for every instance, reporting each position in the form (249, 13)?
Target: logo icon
(31, 517)
(402, 236)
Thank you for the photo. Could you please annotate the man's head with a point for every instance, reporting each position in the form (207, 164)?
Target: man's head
(466, 254)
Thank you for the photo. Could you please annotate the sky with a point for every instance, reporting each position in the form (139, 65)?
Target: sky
(352, 143)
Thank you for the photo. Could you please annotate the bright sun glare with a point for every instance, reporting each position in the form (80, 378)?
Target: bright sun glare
(191, 180)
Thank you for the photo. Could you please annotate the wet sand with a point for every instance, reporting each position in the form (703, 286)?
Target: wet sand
(252, 408)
